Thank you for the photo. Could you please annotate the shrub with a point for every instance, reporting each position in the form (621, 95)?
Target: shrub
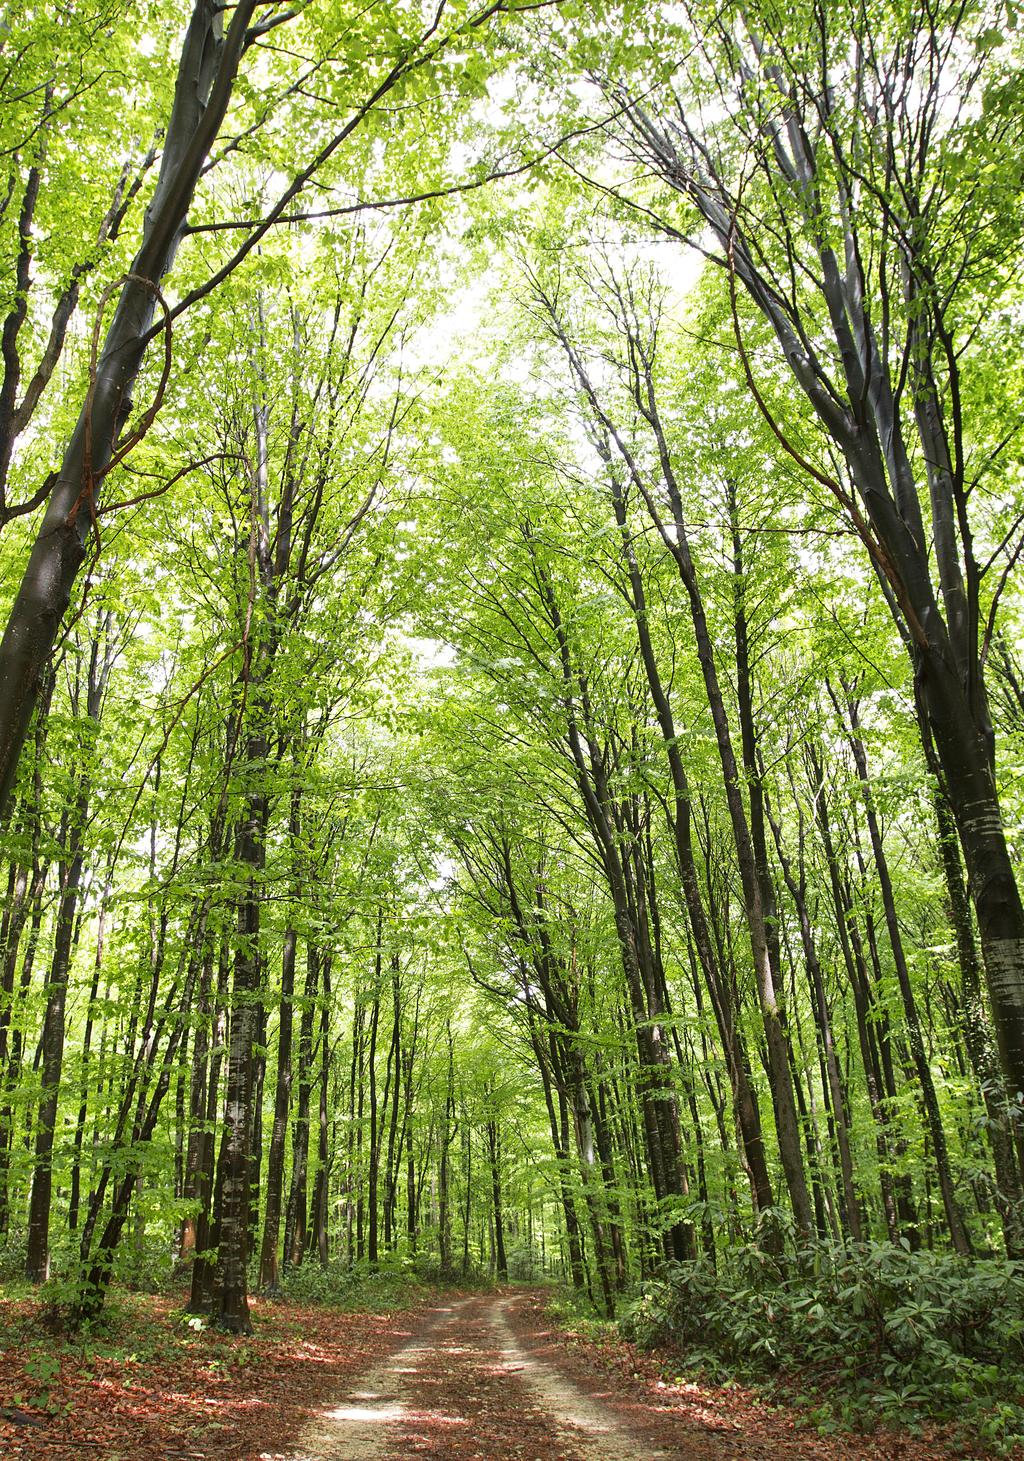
(357, 1287)
(879, 1330)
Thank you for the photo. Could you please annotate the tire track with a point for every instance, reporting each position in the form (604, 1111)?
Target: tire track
(362, 1425)
(598, 1433)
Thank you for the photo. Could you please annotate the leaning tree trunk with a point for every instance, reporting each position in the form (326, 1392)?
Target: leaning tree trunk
(853, 382)
(206, 74)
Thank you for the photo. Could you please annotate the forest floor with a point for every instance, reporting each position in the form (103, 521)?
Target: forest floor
(479, 1377)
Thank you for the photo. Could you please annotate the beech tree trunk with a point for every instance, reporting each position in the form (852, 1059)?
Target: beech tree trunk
(295, 1222)
(269, 1276)
(929, 1098)
(930, 579)
(37, 1262)
(100, 663)
(494, 1158)
(234, 1173)
(206, 74)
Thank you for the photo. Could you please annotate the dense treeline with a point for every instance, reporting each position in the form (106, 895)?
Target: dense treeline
(511, 715)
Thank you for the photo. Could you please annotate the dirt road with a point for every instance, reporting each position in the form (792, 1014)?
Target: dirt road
(480, 1381)
(487, 1378)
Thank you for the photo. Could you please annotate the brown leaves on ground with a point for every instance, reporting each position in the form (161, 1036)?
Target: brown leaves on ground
(639, 1383)
(468, 1404)
(162, 1391)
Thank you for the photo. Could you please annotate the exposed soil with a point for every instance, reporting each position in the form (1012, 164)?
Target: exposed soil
(465, 1388)
(732, 1422)
(481, 1378)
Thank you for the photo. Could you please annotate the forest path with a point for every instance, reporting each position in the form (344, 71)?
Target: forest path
(479, 1381)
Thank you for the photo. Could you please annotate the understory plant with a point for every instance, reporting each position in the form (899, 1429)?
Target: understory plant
(861, 1332)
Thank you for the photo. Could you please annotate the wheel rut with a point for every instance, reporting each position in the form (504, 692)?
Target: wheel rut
(467, 1387)
(359, 1426)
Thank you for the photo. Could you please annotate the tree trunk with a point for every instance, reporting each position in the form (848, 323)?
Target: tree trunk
(394, 1062)
(295, 1221)
(373, 1166)
(205, 78)
(37, 1263)
(929, 1096)
(203, 1263)
(234, 1174)
(444, 1240)
(319, 1213)
(38, 1256)
(976, 1036)
(493, 1155)
(269, 1276)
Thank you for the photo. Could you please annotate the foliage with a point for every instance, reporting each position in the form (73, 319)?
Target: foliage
(526, 775)
(866, 1331)
(355, 1289)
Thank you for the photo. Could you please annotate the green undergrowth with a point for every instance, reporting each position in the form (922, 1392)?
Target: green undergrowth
(354, 1288)
(873, 1333)
(152, 1332)
(149, 1268)
(136, 1334)
(575, 1311)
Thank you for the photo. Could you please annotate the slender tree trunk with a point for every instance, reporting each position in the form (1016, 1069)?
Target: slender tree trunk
(833, 1080)
(192, 1178)
(269, 1276)
(203, 1263)
(24, 907)
(269, 1273)
(393, 1082)
(410, 1158)
(922, 1067)
(295, 1236)
(97, 1259)
(354, 1175)
(205, 79)
(444, 1241)
(552, 1076)
(234, 1164)
(321, 1191)
(373, 1167)
(494, 1160)
(744, 1096)
(100, 664)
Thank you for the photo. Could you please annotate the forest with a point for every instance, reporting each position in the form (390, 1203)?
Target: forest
(512, 703)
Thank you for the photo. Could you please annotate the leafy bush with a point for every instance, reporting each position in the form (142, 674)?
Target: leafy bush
(147, 1267)
(12, 1257)
(471, 1276)
(524, 1264)
(341, 1286)
(879, 1331)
